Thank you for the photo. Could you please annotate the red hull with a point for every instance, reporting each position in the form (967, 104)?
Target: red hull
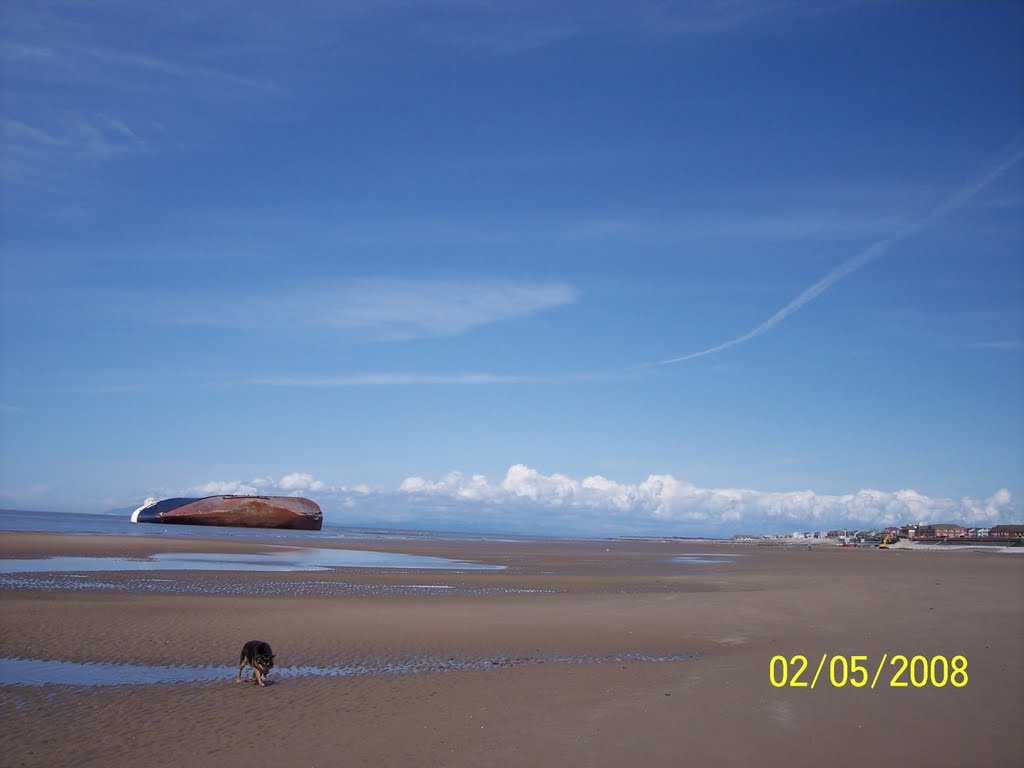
(236, 511)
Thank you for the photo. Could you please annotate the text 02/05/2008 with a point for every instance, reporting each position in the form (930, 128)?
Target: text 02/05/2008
(900, 671)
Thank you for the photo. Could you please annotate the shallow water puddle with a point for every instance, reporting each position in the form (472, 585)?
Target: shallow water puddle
(36, 672)
(287, 559)
(714, 554)
(193, 584)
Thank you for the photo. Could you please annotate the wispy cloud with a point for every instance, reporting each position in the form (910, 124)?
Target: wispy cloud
(145, 62)
(509, 28)
(106, 46)
(104, 77)
(1000, 344)
(400, 310)
(372, 310)
(25, 494)
(84, 83)
(390, 380)
(15, 132)
(33, 149)
(734, 225)
(874, 251)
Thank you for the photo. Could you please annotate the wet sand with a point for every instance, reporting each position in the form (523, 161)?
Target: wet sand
(555, 602)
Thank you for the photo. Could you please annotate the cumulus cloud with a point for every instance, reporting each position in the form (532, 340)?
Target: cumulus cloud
(300, 481)
(665, 503)
(226, 487)
(526, 500)
(288, 485)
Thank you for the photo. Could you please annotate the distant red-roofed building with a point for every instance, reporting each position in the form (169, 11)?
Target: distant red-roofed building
(942, 531)
(1006, 532)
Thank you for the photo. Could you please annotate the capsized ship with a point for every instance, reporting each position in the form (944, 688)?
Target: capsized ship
(236, 511)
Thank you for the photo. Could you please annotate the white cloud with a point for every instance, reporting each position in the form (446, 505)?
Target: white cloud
(287, 485)
(225, 487)
(300, 481)
(662, 501)
(528, 501)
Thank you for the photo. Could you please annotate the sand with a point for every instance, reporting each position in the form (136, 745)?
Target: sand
(556, 601)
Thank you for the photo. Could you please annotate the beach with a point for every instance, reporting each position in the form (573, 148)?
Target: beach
(575, 652)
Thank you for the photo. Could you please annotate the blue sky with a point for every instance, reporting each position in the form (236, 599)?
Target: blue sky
(602, 267)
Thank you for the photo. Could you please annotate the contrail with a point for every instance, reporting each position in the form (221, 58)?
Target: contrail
(872, 252)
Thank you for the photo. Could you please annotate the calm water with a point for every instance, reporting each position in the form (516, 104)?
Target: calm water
(311, 558)
(287, 559)
(121, 525)
(295, 550)
(290, 550)
(707, 558)
(36, 672)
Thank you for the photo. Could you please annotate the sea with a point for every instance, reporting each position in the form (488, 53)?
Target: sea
(121, 525)
(290, 550)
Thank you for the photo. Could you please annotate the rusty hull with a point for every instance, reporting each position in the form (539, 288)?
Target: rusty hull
(237, 511)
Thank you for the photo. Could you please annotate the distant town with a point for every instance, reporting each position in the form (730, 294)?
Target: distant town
(938, 533)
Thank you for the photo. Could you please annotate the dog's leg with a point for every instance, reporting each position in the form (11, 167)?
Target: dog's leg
(258, 676)
(241, 666)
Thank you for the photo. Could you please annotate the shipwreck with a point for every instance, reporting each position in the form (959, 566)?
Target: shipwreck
(234, 511)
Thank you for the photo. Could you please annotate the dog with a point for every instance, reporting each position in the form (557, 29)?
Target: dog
(256, 654)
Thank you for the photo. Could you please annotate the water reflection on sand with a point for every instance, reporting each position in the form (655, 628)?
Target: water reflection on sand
(705, 558)
(36, 672)
(284, 559)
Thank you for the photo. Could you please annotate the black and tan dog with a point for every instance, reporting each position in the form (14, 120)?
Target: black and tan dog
(256, 654)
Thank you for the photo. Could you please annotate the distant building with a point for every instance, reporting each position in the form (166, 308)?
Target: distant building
(1006, 532)
(942, 531)
(841, 533)
(908, 531)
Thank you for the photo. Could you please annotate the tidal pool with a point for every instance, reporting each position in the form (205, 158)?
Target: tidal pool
(704, 559)
(286, 559)
(37, 672)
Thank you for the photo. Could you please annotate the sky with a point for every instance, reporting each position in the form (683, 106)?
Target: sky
(586, 268)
